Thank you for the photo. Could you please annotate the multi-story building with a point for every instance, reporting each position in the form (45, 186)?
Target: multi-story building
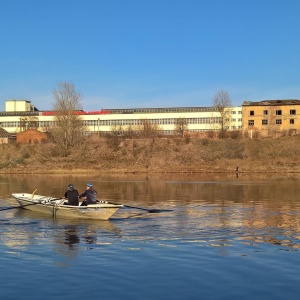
(19, 113)
(271, 117)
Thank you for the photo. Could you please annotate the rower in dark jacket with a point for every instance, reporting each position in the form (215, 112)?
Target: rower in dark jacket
(90, 195)
(72, 195)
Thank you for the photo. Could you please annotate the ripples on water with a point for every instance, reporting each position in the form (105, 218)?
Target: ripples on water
(214, 239)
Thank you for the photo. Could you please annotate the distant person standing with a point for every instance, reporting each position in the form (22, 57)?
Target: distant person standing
(89, 194)
(72, 195)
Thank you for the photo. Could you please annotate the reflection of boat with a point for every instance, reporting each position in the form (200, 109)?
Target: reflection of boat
(56, 207)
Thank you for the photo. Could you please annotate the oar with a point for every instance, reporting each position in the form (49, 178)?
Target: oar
(153, 210)
(13, 207)
(21, 206)
(141, 208)
(33, 193)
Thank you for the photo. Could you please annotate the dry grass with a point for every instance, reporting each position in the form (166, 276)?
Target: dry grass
(156, 155)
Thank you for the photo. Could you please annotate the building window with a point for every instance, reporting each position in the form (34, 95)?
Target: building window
(251, 123)
(264, 122)
(233, 112)
(278, 122)
(265, 112)
(292, 121)
(278, 113)
(251, 112)
(293, 112)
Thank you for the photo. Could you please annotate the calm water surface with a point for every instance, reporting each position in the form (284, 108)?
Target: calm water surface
(216, 237)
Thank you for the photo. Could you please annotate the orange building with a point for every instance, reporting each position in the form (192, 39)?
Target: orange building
(271, 117)
(31, 136)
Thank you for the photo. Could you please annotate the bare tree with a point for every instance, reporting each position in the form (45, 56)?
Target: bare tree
(181, 125)
(116, 130)
(68, 128)
(222, 103)
(147, 129)
(29, 123)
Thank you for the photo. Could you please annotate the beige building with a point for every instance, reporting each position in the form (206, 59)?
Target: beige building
(271, 117)
(18, 105)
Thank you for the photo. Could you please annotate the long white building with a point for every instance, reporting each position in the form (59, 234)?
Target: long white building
(18, 114)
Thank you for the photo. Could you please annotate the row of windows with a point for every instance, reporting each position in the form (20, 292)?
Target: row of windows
(265, 122)
(234, 112)
(278, 112)
(126, 111)
(98, 122)
(232, 120)
(151, 121)
(19, 113)
(124, 122)
(18, 124)
(162, 110)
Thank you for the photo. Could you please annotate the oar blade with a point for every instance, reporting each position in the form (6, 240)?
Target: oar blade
(155, 211)
(149, 210)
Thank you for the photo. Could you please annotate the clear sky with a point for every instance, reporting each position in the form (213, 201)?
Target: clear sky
(149, 53)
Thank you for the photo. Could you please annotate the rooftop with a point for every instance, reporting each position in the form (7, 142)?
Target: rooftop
(272, 102)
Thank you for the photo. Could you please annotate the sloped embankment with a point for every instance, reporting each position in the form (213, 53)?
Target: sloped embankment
(155, 155)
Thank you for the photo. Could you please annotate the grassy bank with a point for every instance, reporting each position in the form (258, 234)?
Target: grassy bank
(98, 154)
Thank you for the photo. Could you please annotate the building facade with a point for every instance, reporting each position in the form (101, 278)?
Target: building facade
(271, 117)
(198, 119)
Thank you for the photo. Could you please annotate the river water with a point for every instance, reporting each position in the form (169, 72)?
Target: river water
(215, 237)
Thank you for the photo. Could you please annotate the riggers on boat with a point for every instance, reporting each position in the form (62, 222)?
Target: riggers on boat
(56, 207)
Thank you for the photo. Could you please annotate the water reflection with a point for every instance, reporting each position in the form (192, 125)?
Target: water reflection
(21, 229)
(251, 224)
(216, 210)
(71, 237)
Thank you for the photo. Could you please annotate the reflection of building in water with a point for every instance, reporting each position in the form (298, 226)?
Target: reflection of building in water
(18, 234)
(218, 223)
(273, 221)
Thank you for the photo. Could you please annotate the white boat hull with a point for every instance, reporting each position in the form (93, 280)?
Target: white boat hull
(56, 208)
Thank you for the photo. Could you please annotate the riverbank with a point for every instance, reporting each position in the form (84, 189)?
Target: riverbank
(159, 155)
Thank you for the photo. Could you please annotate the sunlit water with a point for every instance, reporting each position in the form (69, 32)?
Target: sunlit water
(215, 237)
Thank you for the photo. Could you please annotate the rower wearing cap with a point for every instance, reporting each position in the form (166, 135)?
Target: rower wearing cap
(90, 195)
(72, 195)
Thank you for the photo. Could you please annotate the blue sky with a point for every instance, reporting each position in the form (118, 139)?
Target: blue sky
(149, 53)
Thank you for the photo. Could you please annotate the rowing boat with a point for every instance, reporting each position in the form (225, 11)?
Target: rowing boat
(56, 207)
